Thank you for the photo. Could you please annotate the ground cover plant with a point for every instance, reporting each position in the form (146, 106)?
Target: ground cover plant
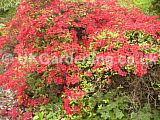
(81, 60)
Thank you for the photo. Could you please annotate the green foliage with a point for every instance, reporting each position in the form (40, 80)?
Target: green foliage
(7, 9)
(156, 6)
(144, 5)
(7, 4)
(114, 109)
(37, 88)
(48, 112)
(114, 105)
(110, 105)
(2, 32)
(149, 7)
(146, 113)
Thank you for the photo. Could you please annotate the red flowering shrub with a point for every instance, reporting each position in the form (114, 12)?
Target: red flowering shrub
(90, 39)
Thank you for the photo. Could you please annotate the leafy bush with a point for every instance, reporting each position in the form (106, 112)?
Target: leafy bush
(96, 41)
(156, 6)
(143, 4)
(8, 9)
(149, 7)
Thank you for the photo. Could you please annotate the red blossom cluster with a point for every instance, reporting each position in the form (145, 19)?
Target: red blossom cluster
(61, 28)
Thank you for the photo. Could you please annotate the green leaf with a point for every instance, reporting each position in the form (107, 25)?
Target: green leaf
(119, 114)
(105, 115)
(102, 36)
(36, 117)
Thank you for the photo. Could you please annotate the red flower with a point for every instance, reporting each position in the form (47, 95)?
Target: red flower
(3, 112)
(26, 116)
(13, 113)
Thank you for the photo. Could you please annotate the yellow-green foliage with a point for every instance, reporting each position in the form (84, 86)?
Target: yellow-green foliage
(144, 5)
(7, 9)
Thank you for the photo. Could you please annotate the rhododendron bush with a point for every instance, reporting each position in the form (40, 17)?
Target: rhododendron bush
(59, 46)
